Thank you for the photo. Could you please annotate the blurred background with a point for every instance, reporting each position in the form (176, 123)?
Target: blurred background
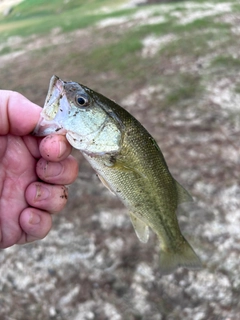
(175, 65)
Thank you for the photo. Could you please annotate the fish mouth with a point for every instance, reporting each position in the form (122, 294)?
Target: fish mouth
(52, 114)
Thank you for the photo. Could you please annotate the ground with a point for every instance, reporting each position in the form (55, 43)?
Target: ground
(175, 67)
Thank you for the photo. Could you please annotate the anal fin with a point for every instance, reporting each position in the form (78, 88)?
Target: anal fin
(141, 229)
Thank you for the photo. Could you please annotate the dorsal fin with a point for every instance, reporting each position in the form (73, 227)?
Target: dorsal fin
(183, 195)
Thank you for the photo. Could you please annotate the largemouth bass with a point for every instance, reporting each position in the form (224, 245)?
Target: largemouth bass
(127, 160)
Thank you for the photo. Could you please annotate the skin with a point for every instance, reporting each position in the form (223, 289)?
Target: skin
(33, 172)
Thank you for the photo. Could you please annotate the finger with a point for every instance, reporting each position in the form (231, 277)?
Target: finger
(62, 172)
(18, 115)
(35, 225)
(47, 197)
(55, 147)
(32, 145)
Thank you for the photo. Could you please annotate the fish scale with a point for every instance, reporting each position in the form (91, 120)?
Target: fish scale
(127, 160)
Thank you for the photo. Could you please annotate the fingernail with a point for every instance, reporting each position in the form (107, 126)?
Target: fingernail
(42, 193)
(34, 218)
(53, 169)
(61, 148)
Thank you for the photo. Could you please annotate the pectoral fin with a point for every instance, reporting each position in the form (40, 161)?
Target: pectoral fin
(104, 182)
(122, 165)
(141, 229)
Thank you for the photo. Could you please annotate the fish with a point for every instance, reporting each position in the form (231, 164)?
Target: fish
(127, 160)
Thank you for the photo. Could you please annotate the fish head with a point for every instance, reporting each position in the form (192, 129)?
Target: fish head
(84, 116)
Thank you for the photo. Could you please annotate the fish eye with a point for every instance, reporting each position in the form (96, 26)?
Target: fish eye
(82, 101)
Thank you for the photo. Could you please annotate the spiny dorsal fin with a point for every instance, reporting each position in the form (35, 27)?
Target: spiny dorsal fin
(141, 229)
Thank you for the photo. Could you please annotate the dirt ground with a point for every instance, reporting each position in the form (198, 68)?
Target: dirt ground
(91, 265)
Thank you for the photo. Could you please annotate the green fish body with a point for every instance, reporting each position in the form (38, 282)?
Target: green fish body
(127, 160)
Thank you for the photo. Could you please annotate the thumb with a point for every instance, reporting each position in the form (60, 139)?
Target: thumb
(18, 115)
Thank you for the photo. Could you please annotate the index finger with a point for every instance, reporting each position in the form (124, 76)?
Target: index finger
(18, 115)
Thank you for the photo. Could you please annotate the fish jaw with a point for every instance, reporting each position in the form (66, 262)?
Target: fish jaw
(55, 110)
(44, 128)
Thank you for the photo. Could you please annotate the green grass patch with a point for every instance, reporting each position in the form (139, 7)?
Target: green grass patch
(183, 88)
(35, 8)
(157, 29)
(200, 25)
(188, 45)
(42, 25)
(40, 16)
(195, 44)
(236, 6)
(237, 88)
(226, 61)
(116, 56)
(5, 50)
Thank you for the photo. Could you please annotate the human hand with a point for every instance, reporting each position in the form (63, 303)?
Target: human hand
(33, 172)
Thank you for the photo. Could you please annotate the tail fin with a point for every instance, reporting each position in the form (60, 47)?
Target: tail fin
(170, 260)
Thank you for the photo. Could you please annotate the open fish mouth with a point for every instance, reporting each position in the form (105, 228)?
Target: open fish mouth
(55, 109)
